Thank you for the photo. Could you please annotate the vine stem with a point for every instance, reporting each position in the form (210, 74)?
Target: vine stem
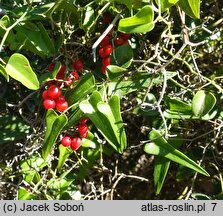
(10, 28)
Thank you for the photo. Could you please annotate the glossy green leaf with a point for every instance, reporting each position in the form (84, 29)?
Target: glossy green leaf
(122, 56)
(107, 118)
(159, 146)
(114, 72)
(3, 72)
(190, 7)
(84, 87)
(89, 18)
(64, 153)
(18, 67)
(141, 22)
(54, 125)
(175, 104)
(166, 4)
(161, 168)
(5, 22)
(162, 164)
(202, 103)
(35, 39)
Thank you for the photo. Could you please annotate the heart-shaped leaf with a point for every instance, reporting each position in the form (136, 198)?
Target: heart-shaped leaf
(141, 22)
(159, 146)
(202, 103)
(18, 67)
(107, 118)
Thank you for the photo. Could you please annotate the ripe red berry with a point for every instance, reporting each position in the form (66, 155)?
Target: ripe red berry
(49, 103)
(69, 81)
(45, 94)
(61, 72)
(51, 66)
(75, 143)
(76, 76)
(66, 141)
(119, 41)
(78, 65)
(106, 61)
(84, 120)
(54, 91)
(105, 41)
(61, 105)
(103, 69)
(82, 128)
(60, 99)
(85, 135)
(105, 51)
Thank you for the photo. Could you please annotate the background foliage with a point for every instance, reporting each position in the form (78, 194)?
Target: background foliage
(155, 128)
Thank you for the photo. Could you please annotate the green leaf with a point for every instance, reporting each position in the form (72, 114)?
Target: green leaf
(114, 72)
(89, 18)
(107, 119)
(161, 168)
(141, 22)
(202, 103)
(18, 67)
(23, 194)
(64, 153)
(190, 7)
(36, 39)
(175, 104)
(12, 128)
(122, 56)
(84, 87)
(54, 124)
(3, 72)
(166, 4)
(159, 146)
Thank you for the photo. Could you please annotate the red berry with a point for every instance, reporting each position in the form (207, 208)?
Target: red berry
(105, 41)
(82, 128)
(61, 72)
(84, 120)
(49, 103)
(51, 66)
(85, 135)
(54, 91)
(51, 82)
(69, 81)
(78, 65)
(45, 94)
(103, 69)
(76, 76)
(106, 61)
(66, 141)
(119, 41)
(75, 143)
(61, 105)
(60, 99)
(105, 51)
(125, 36)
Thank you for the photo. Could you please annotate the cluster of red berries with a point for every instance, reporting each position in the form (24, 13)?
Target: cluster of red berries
(106, 48)
(75, 143)
(52, 98)
(105, 52)
(61, 76)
